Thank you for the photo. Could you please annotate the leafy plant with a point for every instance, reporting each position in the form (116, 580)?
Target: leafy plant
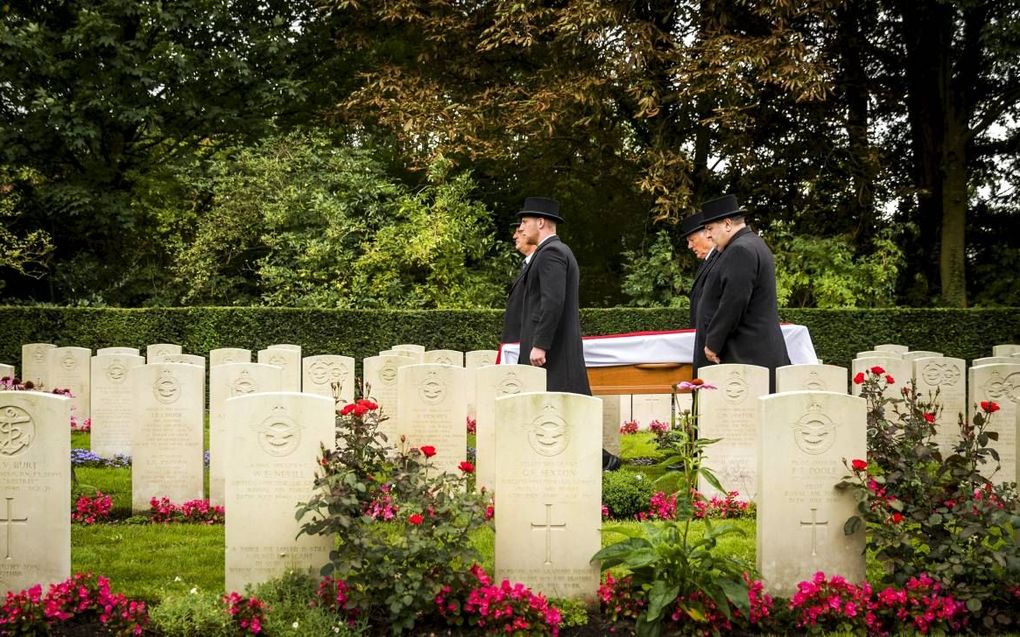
(393, 565)
(668, 565)
(626, 493)
(935, 515)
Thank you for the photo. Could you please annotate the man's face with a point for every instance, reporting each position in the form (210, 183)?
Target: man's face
(520, 242)
(529, 230)
(699, 243)
(719, 232)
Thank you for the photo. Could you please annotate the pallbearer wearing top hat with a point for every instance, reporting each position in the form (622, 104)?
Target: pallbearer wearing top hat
(693, 230)
(550, 314)
(737, 317)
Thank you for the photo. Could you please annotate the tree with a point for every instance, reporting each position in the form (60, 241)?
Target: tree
(99, 93)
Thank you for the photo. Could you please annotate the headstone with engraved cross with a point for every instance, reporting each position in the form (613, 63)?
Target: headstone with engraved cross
(35, 489)
(801, 513)
(225, 382)
(492, 382)
(1000, 384)
(548, 477)
(730, 413)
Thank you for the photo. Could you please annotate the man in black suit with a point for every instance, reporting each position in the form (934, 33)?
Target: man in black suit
(515, 298)
(550, 314)
(737, 312)
(693, 229)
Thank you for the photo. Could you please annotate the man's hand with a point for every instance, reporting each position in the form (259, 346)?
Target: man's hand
(712, 356)
(537, 356)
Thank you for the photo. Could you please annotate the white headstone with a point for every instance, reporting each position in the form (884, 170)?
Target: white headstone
(35, 489)
(444, 357)
(290, 346)
(900, 370)
(187, 359)
(646, 408)
(319, 373)
(287, 359)
(730, 413)
(129, 351)
(35, 363)
(416, 357)
(999, 384)
(548, 477)
(801, 513)
(1006, 349)
(69, 369)
(611, 424)
(161, 349)
(812, 378)
(380, 384)
(880, 354)
(909, 356)
(227, 355)
(948, 377)
(7, 371)
(167, 446)
(113, 404)
(992, 360)
(274, 446)
(225, 382)
(492, 382)
(890, 347)
(433, 411)
(480, 358)
(410, 347)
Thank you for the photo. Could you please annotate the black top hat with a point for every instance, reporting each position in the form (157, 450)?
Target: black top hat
(541, 207)
(691, 224)
(720, 208)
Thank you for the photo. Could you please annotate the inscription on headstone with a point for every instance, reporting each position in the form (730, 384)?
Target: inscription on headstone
(947, 377)
(999, 384)
(275, 440)
(35, 363)
(550, 489)
(433, 411)
(800, 511)
(113, 404)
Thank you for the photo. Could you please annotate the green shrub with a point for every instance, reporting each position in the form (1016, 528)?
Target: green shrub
(290, 614)
(625, 493)
(191, 613)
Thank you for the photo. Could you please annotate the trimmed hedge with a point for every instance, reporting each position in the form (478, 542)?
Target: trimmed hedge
(837, 334)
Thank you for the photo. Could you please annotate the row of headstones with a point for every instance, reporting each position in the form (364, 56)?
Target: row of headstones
(729, 414)
(547, 475)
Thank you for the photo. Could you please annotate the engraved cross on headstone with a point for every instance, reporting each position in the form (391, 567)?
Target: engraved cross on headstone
(9, 519)
(814, 524)
(549, 527)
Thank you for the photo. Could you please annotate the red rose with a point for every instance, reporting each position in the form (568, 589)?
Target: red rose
(859, 378)
(367, 404)
(877, 370)
(989, 406)
(347, 409)
(415, 519)
(897, 517)
(929, 418)
(428, 451)
(466, 467)
(360, 410)
(889, 380)
(697, 381)
(858, 464)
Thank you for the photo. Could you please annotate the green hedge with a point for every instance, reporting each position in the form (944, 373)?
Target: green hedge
(837, 334)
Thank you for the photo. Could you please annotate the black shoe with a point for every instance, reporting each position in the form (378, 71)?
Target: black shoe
(609, 461)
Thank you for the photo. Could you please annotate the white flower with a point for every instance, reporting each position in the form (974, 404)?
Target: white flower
(193, 591)
(177, 578)
(295, 625)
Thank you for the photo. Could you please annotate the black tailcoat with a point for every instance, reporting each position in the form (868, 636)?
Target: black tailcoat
(514, 307)
(696, 290)
(738, 316)
(550, 317)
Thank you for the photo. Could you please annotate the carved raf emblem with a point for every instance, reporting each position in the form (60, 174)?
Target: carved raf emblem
(432, 390)
(17, 431)
(243, 384)
(388, 374)
(814, 433)
(815, 382)
(735, 388)
(69, 362)
(278, 435)
(116, 371)
(278, 359)
(166, 388)
(510, 385)
(549, 434)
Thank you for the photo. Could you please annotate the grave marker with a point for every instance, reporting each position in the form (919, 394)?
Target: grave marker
(319, 373)
(161, 349)
(900, 370)
(891, 347)
(548, 476)
(381, 386)
(35, 363)
(999, 384)
(445, 357)
(812, 378)
(113, 404)
(124, 351)
(69, 369)
(289, 360)
(493, 382)
(433, 411)
(227, 355)
(947, 376)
